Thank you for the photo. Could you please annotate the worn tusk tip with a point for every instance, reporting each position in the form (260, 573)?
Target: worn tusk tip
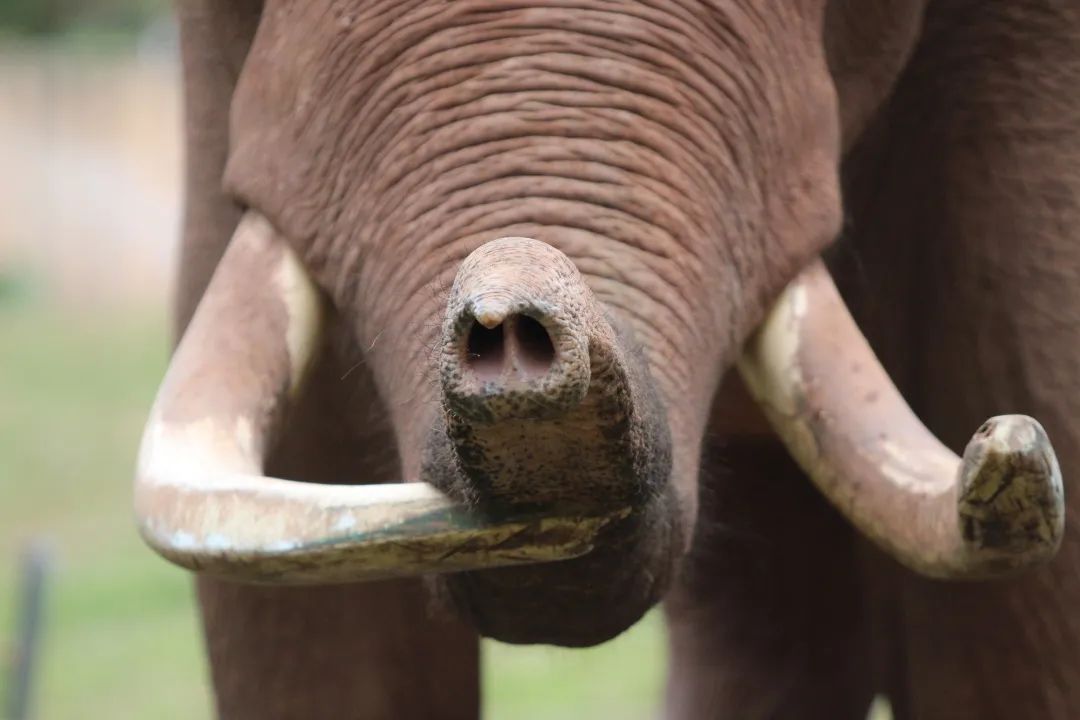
(1011, 499)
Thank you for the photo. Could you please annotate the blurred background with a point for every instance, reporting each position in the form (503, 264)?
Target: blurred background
(90, 165)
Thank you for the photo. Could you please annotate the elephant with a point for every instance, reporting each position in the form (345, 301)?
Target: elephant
(577, 259)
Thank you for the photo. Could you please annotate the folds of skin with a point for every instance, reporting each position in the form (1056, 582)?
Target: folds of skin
(682, 158)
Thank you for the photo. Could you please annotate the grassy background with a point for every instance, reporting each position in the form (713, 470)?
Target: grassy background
(121, 638)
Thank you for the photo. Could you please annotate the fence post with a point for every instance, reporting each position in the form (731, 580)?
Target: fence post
(34, 565)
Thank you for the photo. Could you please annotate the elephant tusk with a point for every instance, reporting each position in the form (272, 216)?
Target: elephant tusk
(996, 510)
(202, 501)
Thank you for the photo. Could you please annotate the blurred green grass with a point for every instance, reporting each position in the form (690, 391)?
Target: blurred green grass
(121, 638)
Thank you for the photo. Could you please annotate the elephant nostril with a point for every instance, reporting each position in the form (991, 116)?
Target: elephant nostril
(485, 351)
(516, 335)
(535, 351)
(519, 346)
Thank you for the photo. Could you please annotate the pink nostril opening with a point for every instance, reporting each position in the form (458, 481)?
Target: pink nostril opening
(534, 349)
(486, 351)
(519, 346)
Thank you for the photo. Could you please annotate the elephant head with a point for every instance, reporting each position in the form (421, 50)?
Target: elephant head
(554, 228)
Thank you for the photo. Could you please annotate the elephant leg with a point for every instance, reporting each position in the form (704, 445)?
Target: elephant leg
(343, 651)
(375, 650)
(767, 618)
(980, 179)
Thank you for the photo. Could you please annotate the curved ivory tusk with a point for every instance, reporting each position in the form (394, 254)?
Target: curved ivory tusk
(200, 495)
(996, 510)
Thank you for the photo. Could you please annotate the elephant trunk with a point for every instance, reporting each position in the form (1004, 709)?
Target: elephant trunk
(548, 408)
(544, 404)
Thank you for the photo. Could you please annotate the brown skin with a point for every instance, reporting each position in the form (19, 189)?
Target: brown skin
(685, 160)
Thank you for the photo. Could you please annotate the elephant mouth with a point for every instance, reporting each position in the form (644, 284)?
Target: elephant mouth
(202, 499)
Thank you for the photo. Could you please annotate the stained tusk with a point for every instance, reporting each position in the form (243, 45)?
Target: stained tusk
(997, 509)
(202, 501)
